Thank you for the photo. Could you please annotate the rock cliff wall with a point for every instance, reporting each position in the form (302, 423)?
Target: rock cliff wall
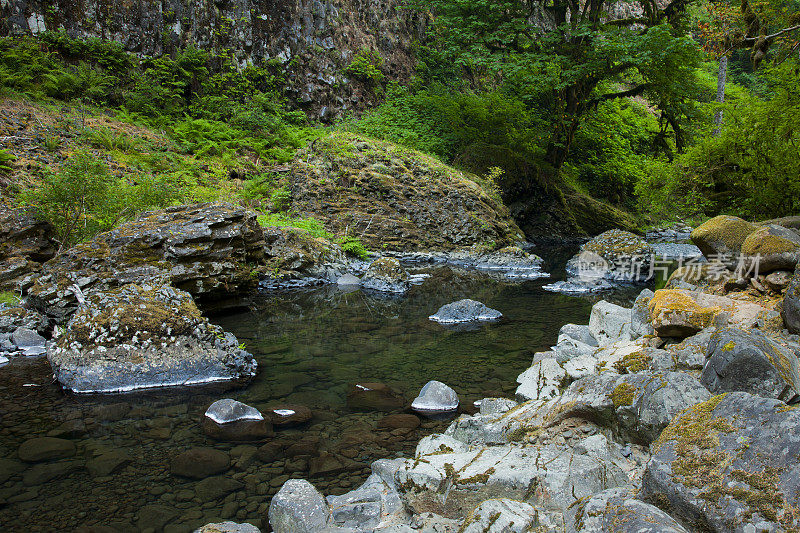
(313, 40)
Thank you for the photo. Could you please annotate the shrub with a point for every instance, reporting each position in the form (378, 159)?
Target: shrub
(366, 66)
(281, 199)
(9, 299)
(353, 246)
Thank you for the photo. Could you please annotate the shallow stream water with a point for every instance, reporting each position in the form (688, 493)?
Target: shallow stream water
(311, 347)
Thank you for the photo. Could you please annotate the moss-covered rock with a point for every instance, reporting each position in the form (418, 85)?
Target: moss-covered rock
(395, 198)
(143, 336)
(772, 248)
(721, 238)
(615, 255)
(790, 310)
(714, 469)
(675, 314)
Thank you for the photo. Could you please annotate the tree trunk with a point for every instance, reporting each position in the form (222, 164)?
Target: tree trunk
(722, 76)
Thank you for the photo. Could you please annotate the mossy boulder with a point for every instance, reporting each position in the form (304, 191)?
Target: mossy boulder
(396, 198)
(749, 361)
(207, 250)
(614, 255)
(635, 407)
(721, 238)
(25, 243)
(386, 275)
(771, 248)
(144, 336)
(728, 464)
(676, 314)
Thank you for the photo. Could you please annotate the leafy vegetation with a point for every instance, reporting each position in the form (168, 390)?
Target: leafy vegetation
(9, 299)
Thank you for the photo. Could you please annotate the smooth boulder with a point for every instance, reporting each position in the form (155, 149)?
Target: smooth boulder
(609, 323)
(298, 506)
(771, 248)
(464, 311)
(368, 396)
(230, 420)
(435, 398)
(200, 463)
(45, 449)
(721, 238)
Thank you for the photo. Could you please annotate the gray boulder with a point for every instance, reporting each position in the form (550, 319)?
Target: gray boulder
(576, 332)
(542, 381)
(228, 527)
(435, 398)
(207, 250)
(641, 319)
(143, 336)
(729, 464)
(493, 406)
(616, 256)
(748, 361)
(636, 406)
(790, 312)
(27, 338)
(609, 323)
(298, 507)
(559, 475)
(230, 420)
(618, 511)
(778, 280)
(721, 238)
(501, 516)
(438, 443)
(386, 275)
(464, 311)
(770, 248)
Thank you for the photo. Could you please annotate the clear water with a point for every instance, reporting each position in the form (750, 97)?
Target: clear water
(311, 347)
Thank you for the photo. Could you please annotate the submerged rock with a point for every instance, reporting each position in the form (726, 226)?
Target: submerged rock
(366, 396)
(729, 464)
(435, 398)
(200, 463)
(464, 311)
(143, 336)
(288, 415)
(230, 420)
(386, 275)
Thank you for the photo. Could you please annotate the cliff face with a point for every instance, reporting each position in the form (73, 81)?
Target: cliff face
(313, 40)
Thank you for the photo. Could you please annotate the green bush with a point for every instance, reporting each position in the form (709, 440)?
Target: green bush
(366, 66)
(281, 199)
(313, 227)
(354, 247)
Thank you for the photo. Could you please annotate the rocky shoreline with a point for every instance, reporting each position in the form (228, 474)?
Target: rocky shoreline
(675, 415)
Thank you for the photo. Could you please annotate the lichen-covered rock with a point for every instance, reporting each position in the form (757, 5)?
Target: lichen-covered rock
(721, 238)
(681, 313)
(25, 243)
(729, 464)
(207, 250)
(435, 398)
(748, 361)
(577, 332)
(386, 275)
(771, 248)
(293, 258)
(790, 311)
(298, 506)
(609, 323)
(561, 476)
(464, 311)
(141, 336)
(615, 255)
(618, 511)
(636, 406)
(437, 443)
(542, 381)
(234, 421)
(501, 516)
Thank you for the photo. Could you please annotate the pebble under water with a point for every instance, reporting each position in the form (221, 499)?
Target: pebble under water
(311, 347)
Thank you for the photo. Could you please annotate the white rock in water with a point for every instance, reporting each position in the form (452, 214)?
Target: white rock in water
(283, 412)
(3, 359)
(465, 311)
(435, 398)
(348, 280)
(228, 410)
(228, 527)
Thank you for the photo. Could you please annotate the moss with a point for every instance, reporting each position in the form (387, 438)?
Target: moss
(623, 394)
(729, 346)
(477, 478)
(695, 426)
(668, 302)
(763, 242)
(633, 362)
(728, 230)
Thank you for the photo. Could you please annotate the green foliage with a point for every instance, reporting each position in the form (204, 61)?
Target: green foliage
(366, 66)
(281, 199)
(109, 139)
(6, 159)
(83, 198)
(354, 247)
(311, 226)
(750, 169)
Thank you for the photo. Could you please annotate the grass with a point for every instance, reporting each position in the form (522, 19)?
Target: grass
(9, 299)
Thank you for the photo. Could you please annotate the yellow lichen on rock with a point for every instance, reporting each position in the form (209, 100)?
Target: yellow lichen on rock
(676, 314)
(721, 234)
(623, 394)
